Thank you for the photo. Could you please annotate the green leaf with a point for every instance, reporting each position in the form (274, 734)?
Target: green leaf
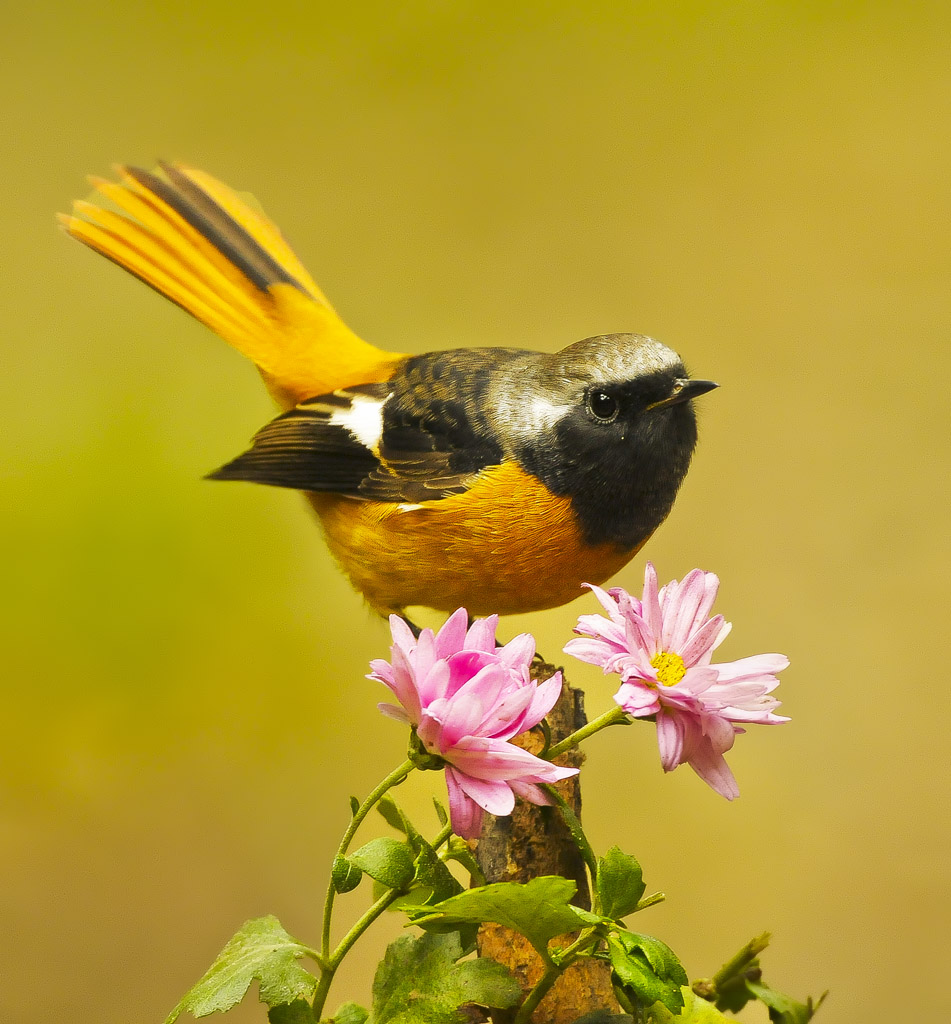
(729, 984)
(298, 1012)
(441, 813)
(420, 982)
(394, 817)
(459, 851)
(344, 874)
(619, 884)
(539, 909)
(350, 1013)
(354, 806)
(782, 1009)
(574, 827)
(647, 969)
(695, 1011)
(662, 959)
(261, 950)
(389, 861)
(431, 873)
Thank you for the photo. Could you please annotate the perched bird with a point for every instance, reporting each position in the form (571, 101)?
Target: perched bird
(498, 479)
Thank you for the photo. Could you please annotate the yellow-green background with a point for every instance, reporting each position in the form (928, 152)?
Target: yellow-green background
(764, 186)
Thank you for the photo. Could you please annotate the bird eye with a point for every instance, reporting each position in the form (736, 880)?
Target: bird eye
(602, 406)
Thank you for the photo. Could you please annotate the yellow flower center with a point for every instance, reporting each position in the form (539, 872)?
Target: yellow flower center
(670, 667)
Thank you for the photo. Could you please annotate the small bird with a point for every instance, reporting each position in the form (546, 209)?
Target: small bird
(495, 479)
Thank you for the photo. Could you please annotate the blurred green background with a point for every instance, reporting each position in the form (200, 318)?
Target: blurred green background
(764, 186)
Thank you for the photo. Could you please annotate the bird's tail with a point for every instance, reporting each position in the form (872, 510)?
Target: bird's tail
(201, 245)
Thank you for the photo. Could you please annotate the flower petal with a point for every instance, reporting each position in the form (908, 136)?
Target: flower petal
(681, 613)
(481, 635)
(465, 814)
(531, 792)
(670, 740)
(401, 633)
(394, 711)
(404, 684)
(452, 636)
(505, 718)
(594, 652)
(637, 700)
(544, 699)
(758, 667)
(713, 769)
(496, 760)
(701, 643)
(493, 796)
(518, 652)
(650, 607)
(608, 602)
(463, 712)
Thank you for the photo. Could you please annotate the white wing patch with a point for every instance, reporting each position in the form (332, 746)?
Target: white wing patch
(364, 420)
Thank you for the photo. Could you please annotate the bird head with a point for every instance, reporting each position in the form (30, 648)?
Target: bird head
(608, 421)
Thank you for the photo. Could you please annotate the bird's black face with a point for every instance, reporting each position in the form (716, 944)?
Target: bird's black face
(621, 454)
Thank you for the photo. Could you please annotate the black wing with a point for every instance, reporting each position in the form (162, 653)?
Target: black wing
(419, 437)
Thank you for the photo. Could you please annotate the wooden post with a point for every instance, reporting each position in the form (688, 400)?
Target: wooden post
(535, 841)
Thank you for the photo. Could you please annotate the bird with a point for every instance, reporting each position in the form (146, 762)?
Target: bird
(496, 479)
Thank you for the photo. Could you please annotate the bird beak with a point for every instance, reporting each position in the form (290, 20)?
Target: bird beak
(683, 390)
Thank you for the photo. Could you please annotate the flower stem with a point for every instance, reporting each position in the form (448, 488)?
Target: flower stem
(393, 779)
(345, 944)
(537, 994)
(553, 970)
(616, 716)
(329, 962)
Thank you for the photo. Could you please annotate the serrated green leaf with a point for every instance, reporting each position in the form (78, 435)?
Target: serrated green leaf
(782, 1009)
(344, 874)
(261, 950)
(648, 969)
(298, 1012)
(694, 1011)
(350, 1013)
(421, 982)
(619, 883)
(389, 861)
(539, 909)
(662, 959)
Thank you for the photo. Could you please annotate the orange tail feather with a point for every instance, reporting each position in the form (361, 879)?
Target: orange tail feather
(198, 243)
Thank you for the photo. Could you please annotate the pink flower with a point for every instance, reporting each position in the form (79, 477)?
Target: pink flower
(662, 646)
(466, 698)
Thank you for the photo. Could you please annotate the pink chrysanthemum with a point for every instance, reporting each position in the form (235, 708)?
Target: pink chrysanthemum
(662, 646)
(466, 698)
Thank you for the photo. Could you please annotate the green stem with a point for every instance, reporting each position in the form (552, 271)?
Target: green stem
(553, 971)
(330, 963)
(616, 716)
(393, 779)
(345, 944)
(537, 994)
(737, 964)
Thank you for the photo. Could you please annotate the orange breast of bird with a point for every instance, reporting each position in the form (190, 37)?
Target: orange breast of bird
(506, 545)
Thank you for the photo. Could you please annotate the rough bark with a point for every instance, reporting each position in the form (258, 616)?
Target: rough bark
(535, 841)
